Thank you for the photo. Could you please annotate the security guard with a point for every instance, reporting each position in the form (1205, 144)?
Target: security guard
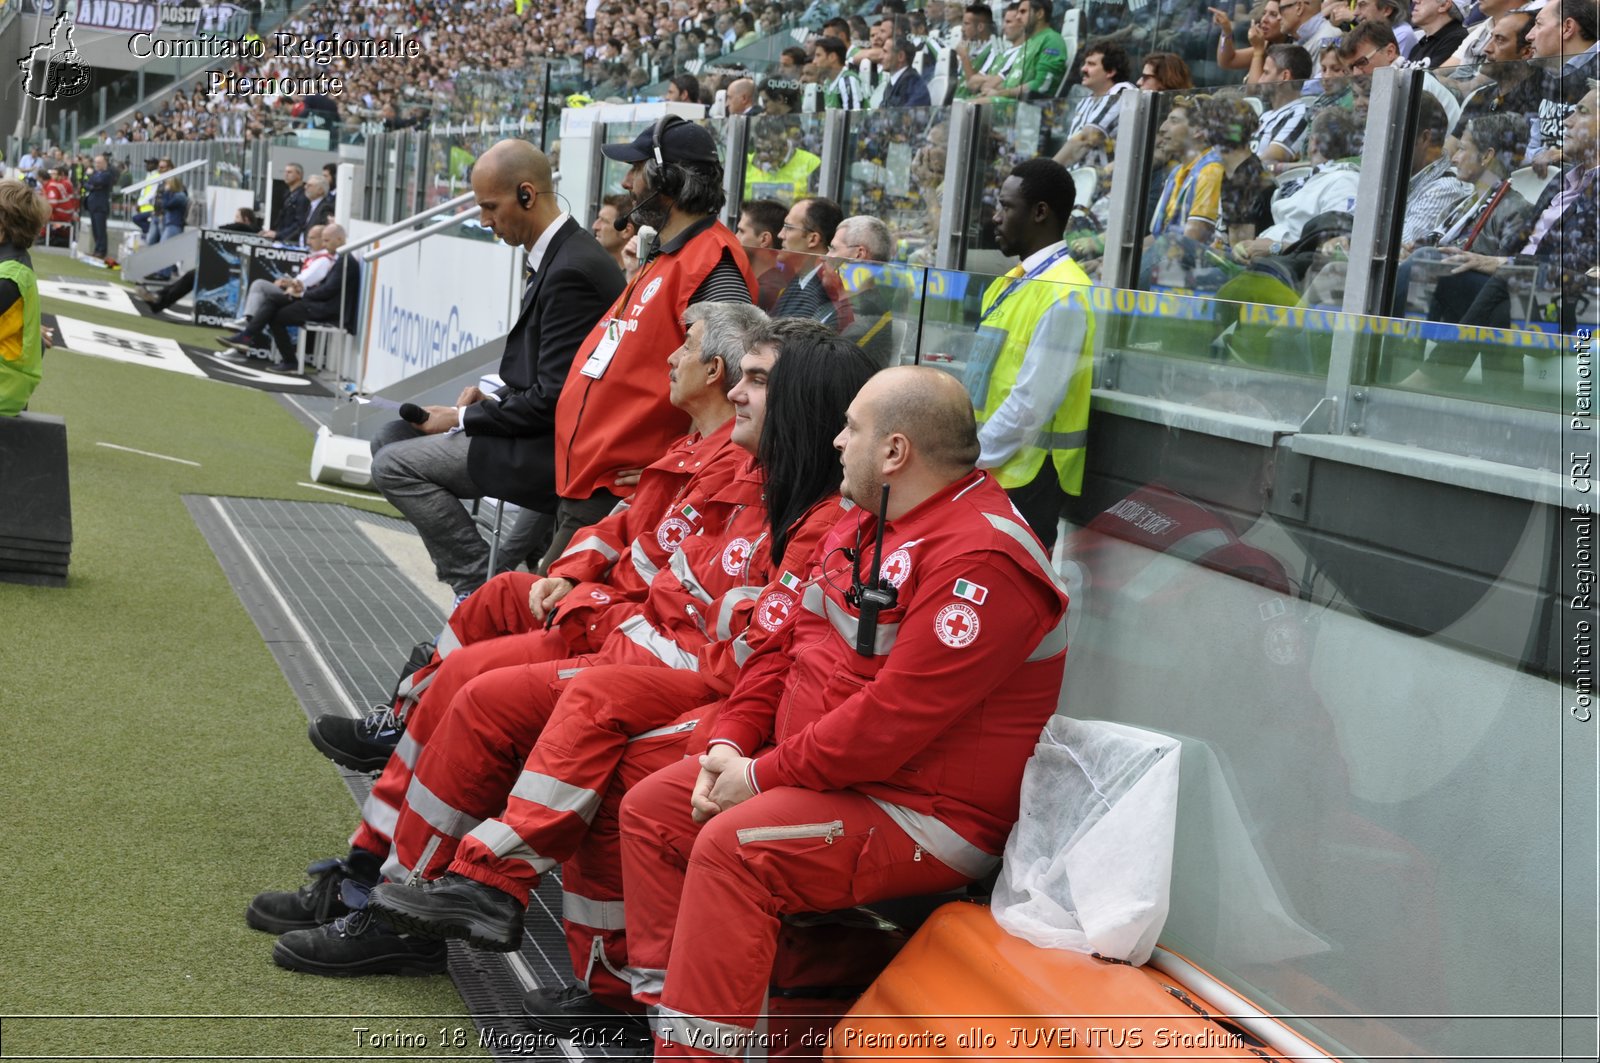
(145, 212)
(1029, 368)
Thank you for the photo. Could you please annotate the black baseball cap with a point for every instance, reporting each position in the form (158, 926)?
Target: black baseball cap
(680, 142)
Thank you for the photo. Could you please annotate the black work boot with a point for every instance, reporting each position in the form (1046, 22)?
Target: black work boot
(360, 745)
(357, 944)
(315, 903)
(453, 907)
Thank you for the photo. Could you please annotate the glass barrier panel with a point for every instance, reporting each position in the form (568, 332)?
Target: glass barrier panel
(785, 157)
(612, 172)
(875, 304)
(1010, 133)
(894, 170)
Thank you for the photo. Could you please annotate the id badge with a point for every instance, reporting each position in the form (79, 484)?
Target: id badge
(599, 359)
(986, 346)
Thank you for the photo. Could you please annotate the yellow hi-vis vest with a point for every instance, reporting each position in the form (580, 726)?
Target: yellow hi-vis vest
(20, 349)
(1066, 433)
(147, 198)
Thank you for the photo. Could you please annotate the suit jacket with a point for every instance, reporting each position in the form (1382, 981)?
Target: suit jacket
(322, 299)
(512, 442)
(909, 91)
(319, 215)
(291, 228)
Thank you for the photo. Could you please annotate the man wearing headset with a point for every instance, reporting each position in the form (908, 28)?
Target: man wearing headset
(614, 417)
(502, 446)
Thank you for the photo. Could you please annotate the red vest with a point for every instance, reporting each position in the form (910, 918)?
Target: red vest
(622, 419)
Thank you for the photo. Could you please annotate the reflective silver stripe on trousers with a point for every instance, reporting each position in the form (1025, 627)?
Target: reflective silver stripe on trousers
(408, 750)
(846, 625)
(448, 642)
(672, 729)
(642, 564)
(730, 602)
(558, 796)
(946, 846)
(1054, 640)
(591, 542)
(1064, 440)
(718, 1038)
(679, 564)
(586, 911)
(638, 630)
(448, 821)
(507, 844)
(380, 815)
(644, 980)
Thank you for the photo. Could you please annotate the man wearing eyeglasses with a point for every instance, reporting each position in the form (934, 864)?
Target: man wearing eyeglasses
(1372, 46)
(815, 291)
(1303, 20)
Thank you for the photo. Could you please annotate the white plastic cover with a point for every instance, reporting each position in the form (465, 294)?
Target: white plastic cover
(1088, 866)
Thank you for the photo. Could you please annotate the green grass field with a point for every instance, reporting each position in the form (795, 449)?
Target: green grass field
(157, 773)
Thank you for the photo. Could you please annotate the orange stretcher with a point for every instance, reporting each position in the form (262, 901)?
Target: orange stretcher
(963, 988)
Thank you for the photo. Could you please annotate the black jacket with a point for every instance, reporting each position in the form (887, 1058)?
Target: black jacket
(97, 186)
(512, 453)
(321, 300)
(321, 214)
(291, 228)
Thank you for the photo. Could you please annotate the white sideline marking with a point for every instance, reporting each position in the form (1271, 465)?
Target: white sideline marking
(150, 454)
(294, 621)
(335, 491)
(309, 415)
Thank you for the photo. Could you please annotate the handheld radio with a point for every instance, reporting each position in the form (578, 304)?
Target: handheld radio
(876, 595)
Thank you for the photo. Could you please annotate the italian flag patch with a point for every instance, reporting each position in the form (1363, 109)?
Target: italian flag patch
(973, 592)
(690, 512)
(789, 580)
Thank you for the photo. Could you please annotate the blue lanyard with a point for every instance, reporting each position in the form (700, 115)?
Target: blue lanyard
(1028, 276)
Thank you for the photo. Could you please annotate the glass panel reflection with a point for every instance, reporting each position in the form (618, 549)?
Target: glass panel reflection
(894, 170)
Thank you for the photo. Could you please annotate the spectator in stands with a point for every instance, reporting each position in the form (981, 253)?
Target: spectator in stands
(1442, 32)
(776, 99)
(612, 419)
(1281, 135)
(841, 87)
(908, 429)
(978, 45)
(244, 221)
(1164, 72)
(683, 88)
(1506, 83)
(1391, 13)
(296, 207)
(1474, 48)
(742, 98)
(1332, 148)
(1564, 30)
(903, 86)
(1229, 125)
(778, 167)
(98, 185)
(790, 62)
(814, 290)
(862, 239)
(1040, 72)
(23, 213)
(1002, 57)
(1559, 246)
(1092, 134)
(1266, 30)
(761, 236)
(330, 174)
(1304, 22)
(1036, 339)
(611, 238)
(1433, 191)
(1191, 198)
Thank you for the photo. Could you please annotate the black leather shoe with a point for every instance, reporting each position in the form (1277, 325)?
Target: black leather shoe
(315, 903)
(360, 745)
(359, 944)
(453, 907)
(565, 1010)
(285, 365)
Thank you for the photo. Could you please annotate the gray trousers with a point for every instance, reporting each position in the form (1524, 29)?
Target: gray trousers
(263, 293)
(425, 477)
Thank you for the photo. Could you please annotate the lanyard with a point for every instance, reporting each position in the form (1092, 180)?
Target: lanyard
(1030, 275)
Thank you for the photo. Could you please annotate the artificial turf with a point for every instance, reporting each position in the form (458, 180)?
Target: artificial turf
(156, 769)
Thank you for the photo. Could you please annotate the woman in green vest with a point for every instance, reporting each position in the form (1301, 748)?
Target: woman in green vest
(23, 213)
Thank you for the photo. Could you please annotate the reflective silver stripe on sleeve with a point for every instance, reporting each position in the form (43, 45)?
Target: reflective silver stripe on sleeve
(436, 813)
(679, 564)
(1026, 540)
(408, 750)
(642, 564)
(592, 542)
(658, 732)
(1064, 440)
(586, 911)
(730, 602)
(448, 642)
(638, 630)
(1054, 642)
(741, 650)
(715, 1038)
(945, 845)
(846, 625)
(507, 844)
(558, 796)
(568, 673)
(380, 815)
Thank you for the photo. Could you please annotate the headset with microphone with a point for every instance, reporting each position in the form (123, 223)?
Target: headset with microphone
(655, 173)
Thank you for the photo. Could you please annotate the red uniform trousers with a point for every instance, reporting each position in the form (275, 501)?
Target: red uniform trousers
(704, 901)
(474, 755)
(380, 812)
(611, 727)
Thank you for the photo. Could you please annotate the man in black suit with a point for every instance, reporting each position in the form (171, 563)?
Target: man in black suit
(906, 87)
(291, 218)
(506, 444)
(319, 204)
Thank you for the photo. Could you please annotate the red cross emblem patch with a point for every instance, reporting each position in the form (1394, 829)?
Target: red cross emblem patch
(672, 532)
(956, 625)
(896, 567)
(773, 610)
(735, 556)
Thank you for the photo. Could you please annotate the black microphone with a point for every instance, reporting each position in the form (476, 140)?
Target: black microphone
(624, 220)
(411, 413)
